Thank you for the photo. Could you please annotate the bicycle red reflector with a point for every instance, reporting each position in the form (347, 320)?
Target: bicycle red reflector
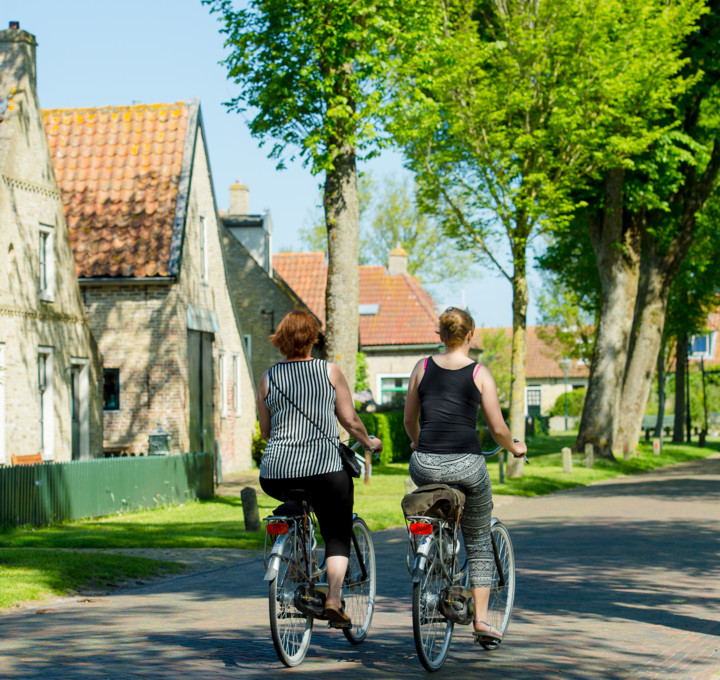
(420, 528)
(277, 528)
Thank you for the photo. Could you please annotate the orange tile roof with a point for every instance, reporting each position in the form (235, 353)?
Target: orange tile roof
(119, 173)
(406, 312)
(542, 358)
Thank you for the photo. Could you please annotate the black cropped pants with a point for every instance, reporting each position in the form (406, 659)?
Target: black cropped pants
(331, 496)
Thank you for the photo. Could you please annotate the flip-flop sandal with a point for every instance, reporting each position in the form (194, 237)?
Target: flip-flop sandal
(486, 635)
(336, 616)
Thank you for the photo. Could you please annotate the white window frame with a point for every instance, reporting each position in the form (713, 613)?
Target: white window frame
(3, 421)
(379, 379)
(710, 352)
(248, 346)
(46, 253)
(222, 369)
(204, 263)
(47, 436)
(84, 365)
(237, 396)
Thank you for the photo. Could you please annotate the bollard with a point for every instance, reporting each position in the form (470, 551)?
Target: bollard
(567, 460)
(627, 453)
(657, 446)
(250, 509)
(589, 455)
(501, 465)
(410, 486)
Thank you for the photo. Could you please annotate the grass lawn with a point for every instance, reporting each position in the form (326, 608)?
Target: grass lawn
(40, 562)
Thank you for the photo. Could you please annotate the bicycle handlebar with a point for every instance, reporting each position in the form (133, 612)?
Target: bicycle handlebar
(497, 448)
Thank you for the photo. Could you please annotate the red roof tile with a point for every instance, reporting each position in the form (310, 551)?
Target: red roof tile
(119, 169)
(406, 312)
(542, 358)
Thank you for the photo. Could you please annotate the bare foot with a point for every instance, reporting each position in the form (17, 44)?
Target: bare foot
(484, 627)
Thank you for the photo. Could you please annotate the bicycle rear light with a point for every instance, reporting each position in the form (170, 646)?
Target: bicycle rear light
(420, 528)
(277, 528)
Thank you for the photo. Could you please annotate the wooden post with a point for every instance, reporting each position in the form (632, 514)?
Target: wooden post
(627, 453)
(589, 455)
(567, 460)
(657, 446)
(368, 466)
(250, 509)
(501, 465)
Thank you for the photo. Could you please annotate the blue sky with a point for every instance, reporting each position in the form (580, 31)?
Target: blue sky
(99, 53)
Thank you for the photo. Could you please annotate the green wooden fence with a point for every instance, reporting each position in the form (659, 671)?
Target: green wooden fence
(56, 492)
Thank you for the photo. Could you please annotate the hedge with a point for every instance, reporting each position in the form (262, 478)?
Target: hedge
(389, 427)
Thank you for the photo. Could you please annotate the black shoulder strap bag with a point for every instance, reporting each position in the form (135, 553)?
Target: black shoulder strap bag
(347, 455)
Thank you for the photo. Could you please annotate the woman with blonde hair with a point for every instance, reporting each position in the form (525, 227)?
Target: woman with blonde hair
(299, 403)
(444, 394)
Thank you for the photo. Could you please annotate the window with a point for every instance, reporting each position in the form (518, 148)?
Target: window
(393, 388)
(236, 384)
(46, 421)
(703, 346)
(46, 263)
(534, 400)
(111, 389)
(203, 250)
(248, 346)
(223, 385)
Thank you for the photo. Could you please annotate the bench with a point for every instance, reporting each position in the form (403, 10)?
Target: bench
(34, 459)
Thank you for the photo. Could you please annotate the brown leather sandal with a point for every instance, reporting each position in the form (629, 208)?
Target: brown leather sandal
(337, 617)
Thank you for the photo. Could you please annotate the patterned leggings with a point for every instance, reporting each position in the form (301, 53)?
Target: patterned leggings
(469, 472)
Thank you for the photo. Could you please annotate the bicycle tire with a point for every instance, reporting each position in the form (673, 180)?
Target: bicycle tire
(359, 591)
(431, 630)
(502, 597)
(291, 630)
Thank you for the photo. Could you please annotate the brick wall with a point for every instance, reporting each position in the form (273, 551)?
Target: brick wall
(29, 198)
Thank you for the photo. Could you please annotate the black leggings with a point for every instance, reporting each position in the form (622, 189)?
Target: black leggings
(331, 497)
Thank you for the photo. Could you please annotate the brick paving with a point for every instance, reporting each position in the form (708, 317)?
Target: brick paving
(616, 581)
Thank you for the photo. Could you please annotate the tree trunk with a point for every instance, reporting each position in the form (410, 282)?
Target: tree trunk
(659, 426)
(517, 374)
(679, 421)
(616, 248)
(342, 292)
(644, 355)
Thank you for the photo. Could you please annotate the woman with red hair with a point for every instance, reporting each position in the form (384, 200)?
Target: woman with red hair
(300, 401)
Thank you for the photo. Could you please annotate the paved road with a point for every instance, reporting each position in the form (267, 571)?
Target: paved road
(616, 581)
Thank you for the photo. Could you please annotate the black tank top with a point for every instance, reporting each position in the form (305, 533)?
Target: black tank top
(449, 401)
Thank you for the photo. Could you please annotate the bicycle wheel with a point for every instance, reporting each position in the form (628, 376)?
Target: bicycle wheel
(431, 630)
(359, 587)
(502, 591)
(291, 629)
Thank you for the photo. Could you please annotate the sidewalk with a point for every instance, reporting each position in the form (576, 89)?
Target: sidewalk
(616, 581)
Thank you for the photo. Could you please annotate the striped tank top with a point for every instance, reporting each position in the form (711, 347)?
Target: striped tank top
(296, 447)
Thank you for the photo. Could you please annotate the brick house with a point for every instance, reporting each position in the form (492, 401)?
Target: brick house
(50, 365)
(142, 219)
(260, 297)
(398, 318)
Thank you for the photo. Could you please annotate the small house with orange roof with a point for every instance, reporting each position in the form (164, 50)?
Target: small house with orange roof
(50, 365)
(548, 374)
(398, 318)
(142, 219)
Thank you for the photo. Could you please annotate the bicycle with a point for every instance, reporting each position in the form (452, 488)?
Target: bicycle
(297, 589)
(441, 594)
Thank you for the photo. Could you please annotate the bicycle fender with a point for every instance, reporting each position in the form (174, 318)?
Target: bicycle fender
(275, 558)
(421, 558)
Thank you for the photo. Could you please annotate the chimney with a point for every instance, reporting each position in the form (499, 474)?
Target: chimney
(17, 58)
(239, 199)
(397, 261)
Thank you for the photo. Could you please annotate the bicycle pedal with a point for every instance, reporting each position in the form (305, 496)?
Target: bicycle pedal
(340, 625)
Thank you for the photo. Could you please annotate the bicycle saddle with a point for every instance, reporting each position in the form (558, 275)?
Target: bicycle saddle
(294, 505)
